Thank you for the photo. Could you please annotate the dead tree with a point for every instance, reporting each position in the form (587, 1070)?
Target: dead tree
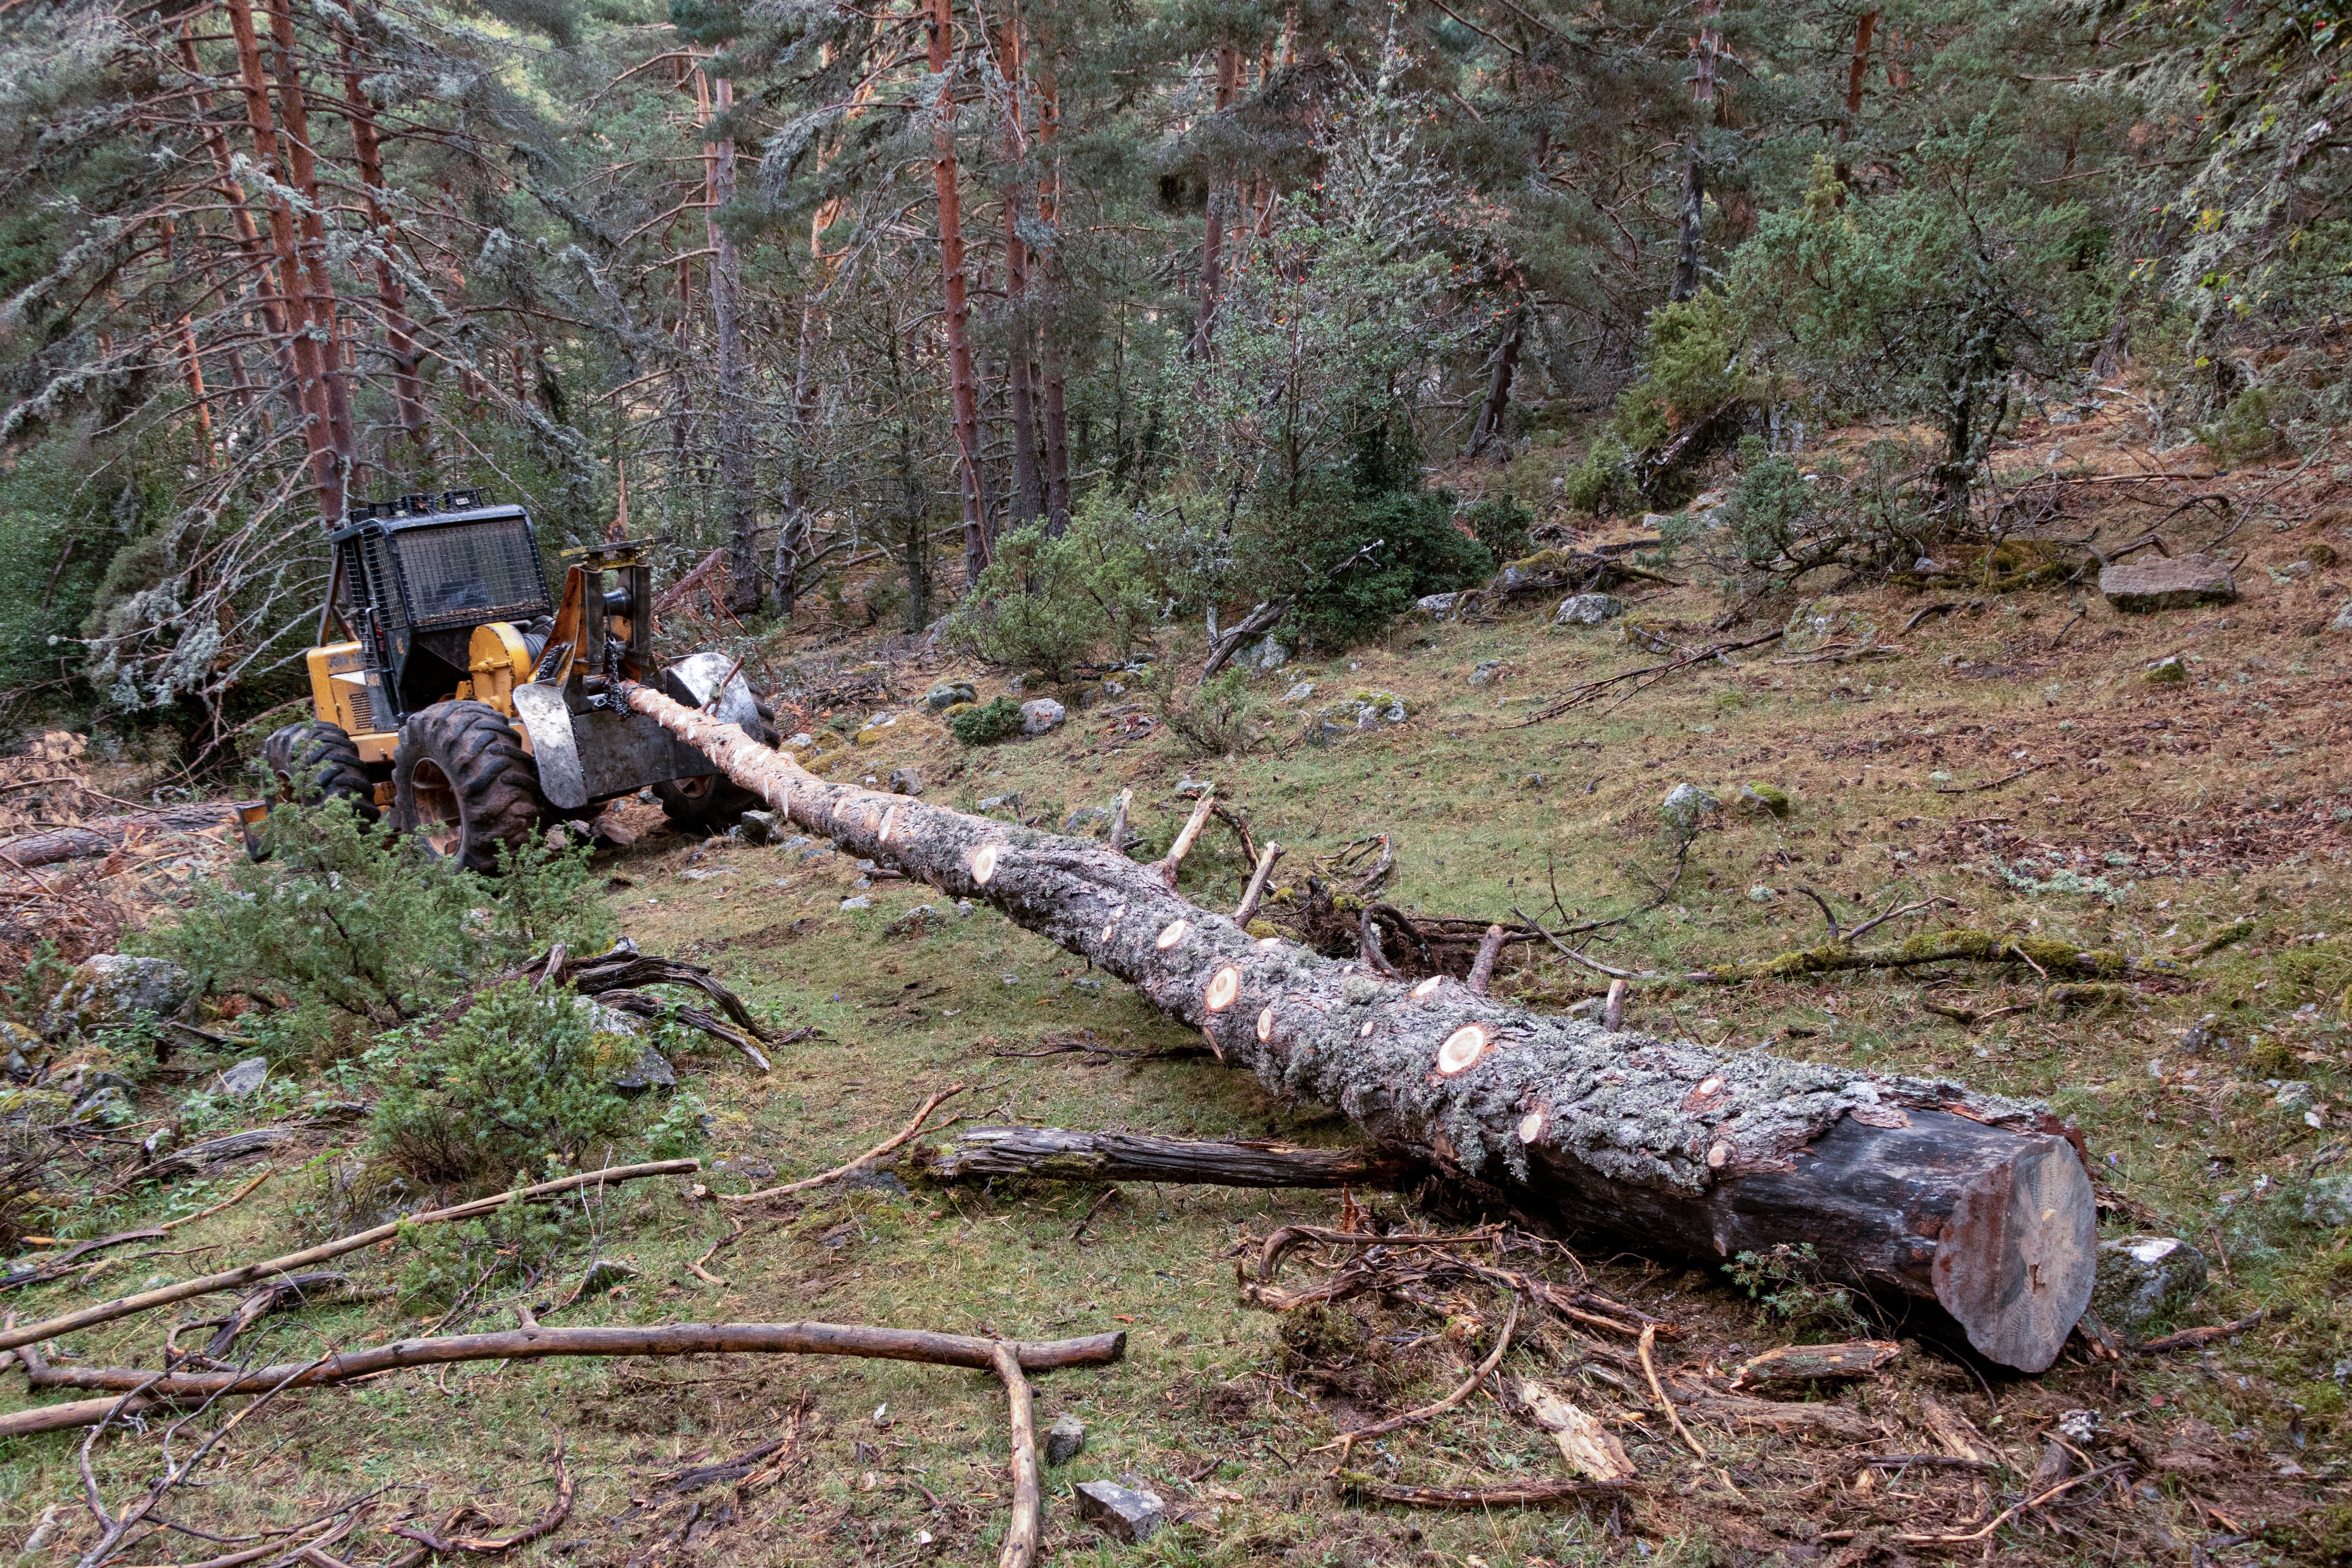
(1966, 1200)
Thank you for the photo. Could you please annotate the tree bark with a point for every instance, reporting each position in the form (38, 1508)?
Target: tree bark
(1704, 47)
(963, 389)
(1962, 1199)
(391, 294)
(1499, 385)
(1053, 1153)
(1020, 331)
(302, 166)
(1056, 374)
(1220, 194)
(298, 352)
(744, 593)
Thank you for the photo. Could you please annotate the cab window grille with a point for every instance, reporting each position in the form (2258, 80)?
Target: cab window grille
(467, 573)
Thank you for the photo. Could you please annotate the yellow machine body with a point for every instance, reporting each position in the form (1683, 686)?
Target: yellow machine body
(496, 659)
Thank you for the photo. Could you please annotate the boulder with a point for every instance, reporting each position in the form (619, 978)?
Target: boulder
(1760, 800)
(20, 1047)
(1040, 714)
(860, 902)
(650, 1070)
(1303, 691)
(1489, 670)
(948, 693)
(2179, 584)
(2144, 1278)
(2169, 670)
(2328, 1201)
(110, 990)
(1123, 1513)
(1686, 806)
(245, 1077)
(1588, 610)
(1364, 711)
(1438, 606)
(1092, 821)
(1065, 1440)
(2343, 621)
(761, 828)
(1266, 657)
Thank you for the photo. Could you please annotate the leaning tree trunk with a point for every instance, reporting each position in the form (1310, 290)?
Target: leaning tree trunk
(1962, 1199)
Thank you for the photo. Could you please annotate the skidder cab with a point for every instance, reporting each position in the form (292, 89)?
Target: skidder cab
(474, 707)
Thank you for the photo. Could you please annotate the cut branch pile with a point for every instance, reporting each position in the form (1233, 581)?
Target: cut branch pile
(1925, 1187)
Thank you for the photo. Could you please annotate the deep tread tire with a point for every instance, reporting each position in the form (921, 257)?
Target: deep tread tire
(463, 785)
(314, 761)
(714, 803)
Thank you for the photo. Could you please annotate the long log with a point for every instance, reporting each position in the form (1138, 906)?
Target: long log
(1055, 1153)
(105, 834)
(1963, 1199)
(539, 1342)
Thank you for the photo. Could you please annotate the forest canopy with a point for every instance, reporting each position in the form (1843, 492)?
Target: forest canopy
(1206, 290)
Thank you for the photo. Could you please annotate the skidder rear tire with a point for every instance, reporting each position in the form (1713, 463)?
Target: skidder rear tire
(713, 803)
(314, 761)
(462, 784)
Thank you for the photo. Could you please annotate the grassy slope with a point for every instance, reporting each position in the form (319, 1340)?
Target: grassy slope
(2236, 780)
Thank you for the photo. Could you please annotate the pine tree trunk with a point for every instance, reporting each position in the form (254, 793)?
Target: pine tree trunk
(1047, 285)
(1703, 49)
(1212, 240)
(1499, 385)
(391, 294)
(303, 167)
(248, 234)
(743, 595)
(1964, 1200)
(939, 22)
(289, 314)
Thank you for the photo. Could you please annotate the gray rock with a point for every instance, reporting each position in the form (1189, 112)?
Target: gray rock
(1065, 1440)
(1123, 1513)
(246, 1076)
(1760, 800)
(1365, 711)
(761, 828)
(2143, 1277)
(2294, 1094)
(1091, 820)
(2205, 1035)
(650, 1070)
(906, 781)
(860, 902)
(1439, 606)
(1040, 714)
(704, 873)
(1587, 609)
(2169, 670)
(1488, 671)
(2183, 581)
(1687, 805)
(948, 693)
(1266, 657)
(1825, 621)
(920, 921)
(2328, 1201)
(1193, 789)
(604, 1274)
(108, 989)
(1301, 692)
(2343, 621)
(990, 804)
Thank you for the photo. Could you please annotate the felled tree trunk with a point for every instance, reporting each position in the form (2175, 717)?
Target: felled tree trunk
(1057, 1154)
(1962, 1199)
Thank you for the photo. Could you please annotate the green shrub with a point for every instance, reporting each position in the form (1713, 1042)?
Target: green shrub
(1604, 481)
(349, 920)
(521, 1082)
(1054, 603)
(1213, 719)
(1501, 524)
(2252, 426)
(1768, 508)
(1689, 368)
(985, 723)
(1361, 557)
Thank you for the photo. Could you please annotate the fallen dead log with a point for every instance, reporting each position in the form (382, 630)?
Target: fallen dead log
(106, 833)
(253, 1273)
(1793, 1364)
(1964, 1199)
(541, 1342)
(1054, 1153)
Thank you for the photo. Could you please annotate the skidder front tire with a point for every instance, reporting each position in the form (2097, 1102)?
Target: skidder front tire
(314, 761)
(713, 803)
(462, 784)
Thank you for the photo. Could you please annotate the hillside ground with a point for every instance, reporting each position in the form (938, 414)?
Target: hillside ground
(2009, 755)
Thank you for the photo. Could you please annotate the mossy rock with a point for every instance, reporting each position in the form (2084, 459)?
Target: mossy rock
(2171, 670)
(1761, 800)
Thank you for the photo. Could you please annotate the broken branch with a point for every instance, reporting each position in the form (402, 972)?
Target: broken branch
(893, 1142)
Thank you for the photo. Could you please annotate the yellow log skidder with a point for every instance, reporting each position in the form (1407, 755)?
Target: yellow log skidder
(472, 708)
